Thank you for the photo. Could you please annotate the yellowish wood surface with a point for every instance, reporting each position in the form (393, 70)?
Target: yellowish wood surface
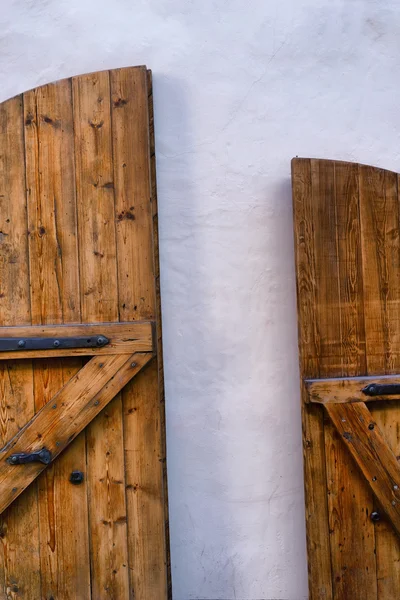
(348, 389)
(78, 244)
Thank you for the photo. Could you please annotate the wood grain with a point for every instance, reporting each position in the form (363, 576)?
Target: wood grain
(158, 331)
(372, 453)
(61, 419)
(100, 294)
(349, 499)
(348, 389)
(332, 344)
(318, 546)
(143, 406)
(379, 212)
(19, 563)
(124, 338)
(79, 252)
(95, 194)
(54, 277)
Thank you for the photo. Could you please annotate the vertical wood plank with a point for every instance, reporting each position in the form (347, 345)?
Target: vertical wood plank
(19, 563)
(381, 266)
(99, 292)
(332, 344)
(50, 180)
(349, 499)
(318, 547)
(54, 268)
(95, 193)
(160, 364)
(350, 269)
(137, 296)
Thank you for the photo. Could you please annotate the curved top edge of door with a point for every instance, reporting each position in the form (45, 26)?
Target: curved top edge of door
(72, 77)
(298, 159)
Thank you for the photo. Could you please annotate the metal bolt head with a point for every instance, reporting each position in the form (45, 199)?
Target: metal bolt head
(395, 487)
(21, 344)
(375, 516)
(56, 343)
(371, 426)
(101, 340)
(76, 477)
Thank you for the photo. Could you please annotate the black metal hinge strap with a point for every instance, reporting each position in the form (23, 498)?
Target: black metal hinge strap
(93, 341)
(382, 389)
(43, 456)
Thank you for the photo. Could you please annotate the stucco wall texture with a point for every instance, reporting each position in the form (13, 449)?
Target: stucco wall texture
(240, 88)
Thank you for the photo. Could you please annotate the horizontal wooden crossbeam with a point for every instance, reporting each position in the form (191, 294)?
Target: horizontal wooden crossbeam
(124, 338)
(348, 389)
(65, 416)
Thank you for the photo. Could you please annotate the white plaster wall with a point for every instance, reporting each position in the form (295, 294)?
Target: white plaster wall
(240, 87)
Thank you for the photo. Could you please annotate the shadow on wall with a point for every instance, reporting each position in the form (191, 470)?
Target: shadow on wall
(231, 368)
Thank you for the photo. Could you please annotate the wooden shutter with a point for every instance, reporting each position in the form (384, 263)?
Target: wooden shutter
(80, 344)
(348, 287)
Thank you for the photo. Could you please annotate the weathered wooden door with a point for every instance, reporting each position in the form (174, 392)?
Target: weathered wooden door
(347, 221)
(82, 464)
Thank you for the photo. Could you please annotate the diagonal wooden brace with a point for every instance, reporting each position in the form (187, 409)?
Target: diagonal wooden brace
(65, 416)
(372, 454)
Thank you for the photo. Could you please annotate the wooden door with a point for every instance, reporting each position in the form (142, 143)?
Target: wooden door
(82, 464)
(348, 285)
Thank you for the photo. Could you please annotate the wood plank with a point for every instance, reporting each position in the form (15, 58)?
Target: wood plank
(19, 521)
(54, 273)
(142, 407)
(338, 390)
(376, 460)
(350, 500)
(381, 263)
(335, 208)
(351, 293)
(19, 563)
(125, 338)
(65, 416)
(63, 510)
(109, 473)
(95, 195)
(99, 290)
(50, 181)
(318, 546)
(160, 364)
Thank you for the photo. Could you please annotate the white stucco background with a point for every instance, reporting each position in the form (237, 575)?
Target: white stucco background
(240, 88)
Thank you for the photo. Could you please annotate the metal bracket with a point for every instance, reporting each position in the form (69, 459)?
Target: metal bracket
(43, 456)
(382, 389)
(11, 344)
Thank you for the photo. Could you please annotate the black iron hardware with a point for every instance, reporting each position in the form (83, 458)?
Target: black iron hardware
(76, 477)
(92, 341)
(43, 456)
(375, 516)
(382, 389)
